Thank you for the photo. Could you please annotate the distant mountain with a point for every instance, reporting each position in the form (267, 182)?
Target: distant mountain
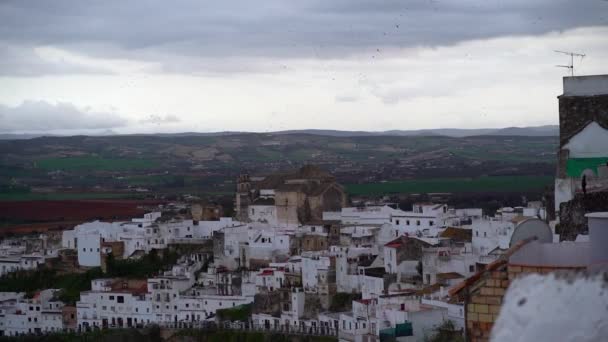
(17, 136)
(539, 131)
(535, 131)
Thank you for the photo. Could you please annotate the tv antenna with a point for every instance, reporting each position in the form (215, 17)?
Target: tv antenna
(571, 54)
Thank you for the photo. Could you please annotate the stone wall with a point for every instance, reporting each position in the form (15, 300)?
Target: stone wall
(572, 214)
(483, 307)
(575, 112)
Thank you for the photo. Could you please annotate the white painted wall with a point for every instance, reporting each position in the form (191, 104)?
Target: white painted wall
(586, 85)
(263, 213)
(591, 142)
(89, 249)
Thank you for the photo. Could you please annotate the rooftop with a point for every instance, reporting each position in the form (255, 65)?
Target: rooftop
(563, 255)
(586, 85)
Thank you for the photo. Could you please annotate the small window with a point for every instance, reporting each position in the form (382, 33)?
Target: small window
(431, 223)
(120, 299)
(407, 222)
(417, 222)
(397, 221)
(111, 297)
(471, 268)
(477, 233)
(485, 234)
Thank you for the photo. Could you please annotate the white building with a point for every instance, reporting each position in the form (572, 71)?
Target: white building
(41, 314)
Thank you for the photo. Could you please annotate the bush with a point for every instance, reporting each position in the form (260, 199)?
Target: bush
(240, 313)
(148, 266)
(343, 301)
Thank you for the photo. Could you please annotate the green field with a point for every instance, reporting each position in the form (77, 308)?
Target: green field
(94, 163)
(53, 196)
(480, 184)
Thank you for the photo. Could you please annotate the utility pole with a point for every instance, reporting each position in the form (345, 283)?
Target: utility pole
(571, 54)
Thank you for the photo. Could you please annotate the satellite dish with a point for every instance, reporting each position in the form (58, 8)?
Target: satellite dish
(532, 227)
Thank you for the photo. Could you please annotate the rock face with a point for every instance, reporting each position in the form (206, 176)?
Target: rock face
(572, 214)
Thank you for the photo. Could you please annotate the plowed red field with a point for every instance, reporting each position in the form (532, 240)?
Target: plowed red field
(40, 216)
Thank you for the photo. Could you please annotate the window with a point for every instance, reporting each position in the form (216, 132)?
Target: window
(477, 233)
(397, 221)
(485, 234)
(120, 299)
(471, 268)
(111, 297)
(407, 222)
(431, 223)
(417, 222)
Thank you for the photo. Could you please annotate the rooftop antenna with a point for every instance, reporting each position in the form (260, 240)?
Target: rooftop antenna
(571, 54)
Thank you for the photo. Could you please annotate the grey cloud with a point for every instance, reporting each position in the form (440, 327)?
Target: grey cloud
(18, 60)
(157, 119)
(160, 30)
(42, 116)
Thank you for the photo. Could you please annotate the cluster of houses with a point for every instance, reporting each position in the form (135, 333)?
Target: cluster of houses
(393, 267)
(302, 261)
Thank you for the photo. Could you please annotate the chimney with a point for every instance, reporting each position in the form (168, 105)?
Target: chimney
(598, 237)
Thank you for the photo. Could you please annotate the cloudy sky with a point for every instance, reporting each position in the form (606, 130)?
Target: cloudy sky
(170, 66)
